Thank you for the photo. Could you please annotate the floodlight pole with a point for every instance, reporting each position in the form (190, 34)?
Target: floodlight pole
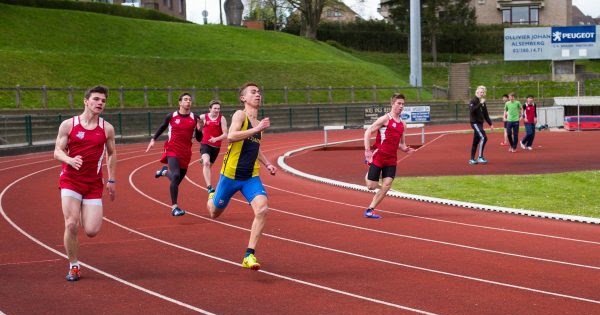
(415, 44)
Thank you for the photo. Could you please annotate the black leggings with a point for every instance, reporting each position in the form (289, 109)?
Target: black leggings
(175, 175)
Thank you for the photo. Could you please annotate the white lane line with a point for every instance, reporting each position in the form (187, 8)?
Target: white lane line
(104, 273)
(368, 257)
(29, 262)
(440, 220)
(469, 205)
(361, 297)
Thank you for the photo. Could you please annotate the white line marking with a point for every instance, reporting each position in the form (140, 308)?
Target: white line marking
(455, 203)
(367, 257)
(440, 220)
(30, 262)
(361, 297)
(106, 274)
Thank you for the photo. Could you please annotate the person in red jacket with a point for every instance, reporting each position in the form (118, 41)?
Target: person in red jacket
(530, 119)
(81, 144)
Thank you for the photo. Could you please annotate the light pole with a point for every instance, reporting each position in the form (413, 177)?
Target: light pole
(415, 44)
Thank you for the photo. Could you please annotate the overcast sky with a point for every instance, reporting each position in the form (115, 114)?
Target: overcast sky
(365, 8)
(588, 7)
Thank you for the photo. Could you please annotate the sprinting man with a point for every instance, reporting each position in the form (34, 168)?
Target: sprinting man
(81, 144)
(478, 113)
(213, 133)
(183, 126)
(382, 157)
(240, 169)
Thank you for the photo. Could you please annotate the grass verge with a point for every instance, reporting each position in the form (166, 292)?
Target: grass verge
(572, 193)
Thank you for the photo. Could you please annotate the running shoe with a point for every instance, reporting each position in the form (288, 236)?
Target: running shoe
(472, 162)
(503, 143)
(211, 195)
(73, 274)
(369, 214)
(161, 172)
(529, 148)
(251, 262)
(481, 160)
(177, 212)
(522, 145)
(210, 189)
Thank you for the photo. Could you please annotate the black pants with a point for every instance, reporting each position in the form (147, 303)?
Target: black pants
(175, 175)
(479, 140)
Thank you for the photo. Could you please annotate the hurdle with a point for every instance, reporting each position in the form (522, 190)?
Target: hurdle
(341, 127)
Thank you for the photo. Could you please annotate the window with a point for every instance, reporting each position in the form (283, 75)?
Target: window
(521, 15)
(334, 12)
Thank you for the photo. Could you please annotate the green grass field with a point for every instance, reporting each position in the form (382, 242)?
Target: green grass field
(573, 193)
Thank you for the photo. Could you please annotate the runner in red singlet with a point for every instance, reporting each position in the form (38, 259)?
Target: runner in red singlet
(183, 126)
(382, 156)
(213, 134)
(80, 145)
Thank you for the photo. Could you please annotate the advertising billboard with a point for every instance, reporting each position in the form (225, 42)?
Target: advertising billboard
(551, 43)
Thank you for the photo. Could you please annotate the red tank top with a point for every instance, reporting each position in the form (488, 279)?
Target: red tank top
(212, 128)
(386, 143)
(91, 146)
(181, 133)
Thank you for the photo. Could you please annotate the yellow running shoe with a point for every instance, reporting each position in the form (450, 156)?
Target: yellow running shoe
(211, 195)
(251, 262)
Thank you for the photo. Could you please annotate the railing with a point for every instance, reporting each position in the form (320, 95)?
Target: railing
(45, 97)
(41, 126)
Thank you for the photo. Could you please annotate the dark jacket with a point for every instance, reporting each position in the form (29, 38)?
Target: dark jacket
(478, 112)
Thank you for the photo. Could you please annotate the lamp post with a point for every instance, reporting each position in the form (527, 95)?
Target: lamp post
(415, 44)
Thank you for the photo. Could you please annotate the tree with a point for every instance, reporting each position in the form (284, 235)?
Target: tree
(271, 12)
(310, 11)
(438, 17)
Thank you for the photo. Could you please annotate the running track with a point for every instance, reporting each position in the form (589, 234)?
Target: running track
(319, 255)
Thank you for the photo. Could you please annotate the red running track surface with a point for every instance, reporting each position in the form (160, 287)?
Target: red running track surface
(319, 255)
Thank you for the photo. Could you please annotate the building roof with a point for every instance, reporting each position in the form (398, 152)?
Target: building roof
(579, 18)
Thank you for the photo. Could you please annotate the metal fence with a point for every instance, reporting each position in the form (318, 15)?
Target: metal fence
(44, 97)
(41, 126)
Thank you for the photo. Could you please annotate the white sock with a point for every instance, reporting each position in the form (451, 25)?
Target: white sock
(74, 264)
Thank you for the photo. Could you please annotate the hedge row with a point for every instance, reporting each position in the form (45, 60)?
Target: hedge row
(383, 37)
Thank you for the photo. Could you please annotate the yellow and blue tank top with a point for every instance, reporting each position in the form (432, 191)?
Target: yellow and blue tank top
(241, 160)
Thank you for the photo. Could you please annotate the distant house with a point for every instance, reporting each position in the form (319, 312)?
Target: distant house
(339, 12)
(174, 8)
(516, 12)
(581, 19)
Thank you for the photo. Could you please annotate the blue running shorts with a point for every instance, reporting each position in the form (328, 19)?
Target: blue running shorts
(227, 187)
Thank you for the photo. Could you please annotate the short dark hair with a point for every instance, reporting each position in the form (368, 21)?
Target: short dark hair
(184, 94)
(505, 95)
(397, 96)
(96, 89)
(245, 85)
(528, 96)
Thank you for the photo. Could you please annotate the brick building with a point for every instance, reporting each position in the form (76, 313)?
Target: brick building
(174, 8)
(517, 12)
